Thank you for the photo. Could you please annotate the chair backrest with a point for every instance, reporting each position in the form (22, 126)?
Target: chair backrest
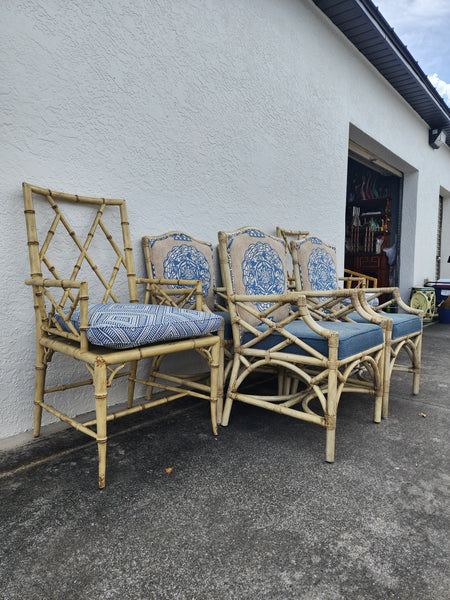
(315, 266)
(289, 235)
(177, 255)
(254, 263)
(78, 245)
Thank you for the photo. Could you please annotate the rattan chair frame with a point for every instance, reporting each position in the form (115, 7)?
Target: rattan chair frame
(350, 279)
(411, 344)
(389, 299)
(324, 376)
(103, 365)
(174, 298)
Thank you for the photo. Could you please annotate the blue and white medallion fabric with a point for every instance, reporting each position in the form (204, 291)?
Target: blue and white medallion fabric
(122, 326)
(257, 264)
(317, 264)
(262, 272)
(187, 262)
(176, 255)
(322, 270)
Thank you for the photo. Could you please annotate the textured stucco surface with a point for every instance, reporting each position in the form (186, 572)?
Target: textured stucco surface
(204, 115)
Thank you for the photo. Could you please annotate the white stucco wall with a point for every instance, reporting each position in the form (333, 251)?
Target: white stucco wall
(204, 115)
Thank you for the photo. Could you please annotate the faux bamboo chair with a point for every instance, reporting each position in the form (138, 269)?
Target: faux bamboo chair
(275, 328)
(176, 255)
(91, 324)
(350, 279)
(315, 269)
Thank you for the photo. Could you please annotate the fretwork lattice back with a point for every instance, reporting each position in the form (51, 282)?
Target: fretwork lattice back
(70, 254)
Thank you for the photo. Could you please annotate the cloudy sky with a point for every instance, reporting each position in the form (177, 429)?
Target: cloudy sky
(423, 26)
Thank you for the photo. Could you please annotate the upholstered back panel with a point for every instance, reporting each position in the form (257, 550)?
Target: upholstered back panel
(257, 264)
(316, 263)
(176, 255)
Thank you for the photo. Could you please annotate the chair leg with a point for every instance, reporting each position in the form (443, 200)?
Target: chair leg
(387, 372)
(330, 442)
(132, 382)
(330, 417)
(417, 364)
(378, 408)
(216, 359)
(39, 386)
(154, 368)
(221, 376)
(100, 387)
(231, 390)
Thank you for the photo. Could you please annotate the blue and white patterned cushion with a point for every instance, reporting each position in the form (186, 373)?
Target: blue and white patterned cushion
(257, 264)
(263, 272)
(317, 264)
(123, 326)
(186, 262)
(176, 255)
(318, 267)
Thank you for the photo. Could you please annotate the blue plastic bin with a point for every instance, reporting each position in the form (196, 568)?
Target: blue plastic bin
(444, 315)
(442, 289)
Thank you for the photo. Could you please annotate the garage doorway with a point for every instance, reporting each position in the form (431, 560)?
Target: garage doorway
(372, 220)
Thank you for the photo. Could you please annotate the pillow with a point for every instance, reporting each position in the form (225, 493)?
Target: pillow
(258, 266)
(123, 326)
(317, 264)
(176, 255)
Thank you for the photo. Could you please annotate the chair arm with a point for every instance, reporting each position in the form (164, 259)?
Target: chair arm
(61, 283)
(290, 298)
(184, 289)
(396, 299)
(349, 280)
(81, 300)
(341, 311)
(370, 281)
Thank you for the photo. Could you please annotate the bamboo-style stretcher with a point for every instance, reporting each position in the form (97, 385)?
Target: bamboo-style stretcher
(64, 288)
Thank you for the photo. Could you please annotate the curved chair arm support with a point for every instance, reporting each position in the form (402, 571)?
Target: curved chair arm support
(290, 298)
(395, 293)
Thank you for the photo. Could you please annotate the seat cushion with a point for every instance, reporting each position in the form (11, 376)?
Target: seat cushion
(316, 264)
(403, 323)
(257, 264)
(353, 338)
(130, 325)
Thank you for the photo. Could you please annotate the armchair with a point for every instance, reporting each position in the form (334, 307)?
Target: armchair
(273, 327)
(182, 262)
(87, 308)
(315, 269)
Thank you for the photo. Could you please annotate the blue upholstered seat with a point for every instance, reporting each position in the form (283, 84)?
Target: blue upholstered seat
(403, 324)
(353, 338)
(129, 325)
